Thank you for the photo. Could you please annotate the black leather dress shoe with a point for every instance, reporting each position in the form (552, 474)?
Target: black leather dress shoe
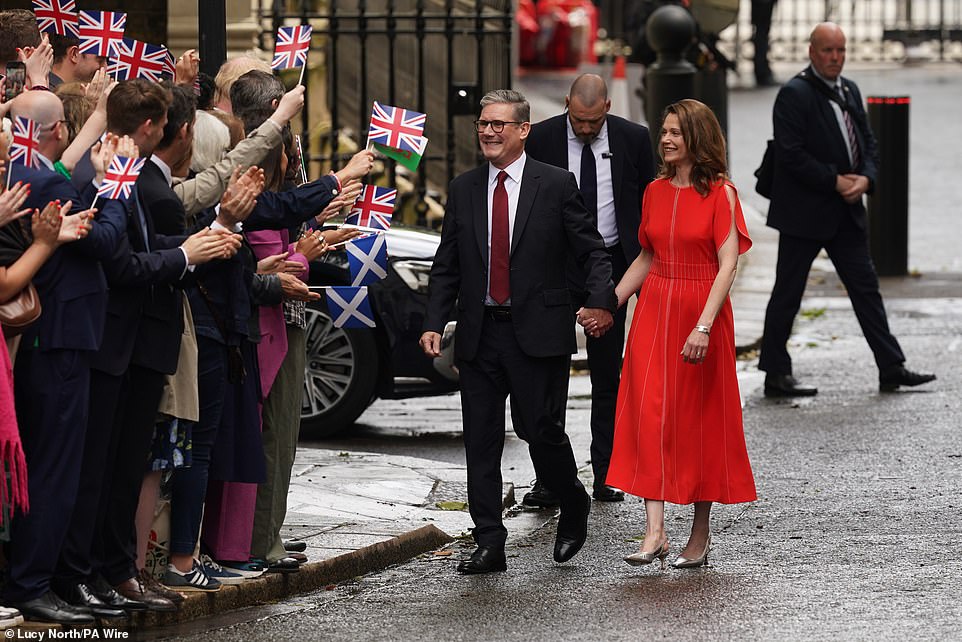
(82, 596)
(608, 494)
(890, 379)
(572, 528)
(284, 565)
(106, 594)
(134, 589)
(294, 546)
(485, 559)
(787, 386)
(50, 608)
(540, 497)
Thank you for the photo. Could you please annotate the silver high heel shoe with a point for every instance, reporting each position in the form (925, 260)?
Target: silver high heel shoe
(641, 558)
(684, 562)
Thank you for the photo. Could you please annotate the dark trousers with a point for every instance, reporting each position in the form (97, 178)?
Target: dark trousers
(51, 397)
(850, 255)
(604, 361)
(189, 485)
(100, 447)
(539, 390)
(762, 21)
(115, 549)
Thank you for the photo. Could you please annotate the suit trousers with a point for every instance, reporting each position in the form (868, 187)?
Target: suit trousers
(538, 387)
(604, 362)
(51, 390)
(282, 422)
(849, 252)
(115, 550)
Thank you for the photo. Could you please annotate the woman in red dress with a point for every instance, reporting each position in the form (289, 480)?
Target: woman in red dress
(678, 424)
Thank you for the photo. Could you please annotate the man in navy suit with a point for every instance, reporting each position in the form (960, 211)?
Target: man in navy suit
(611, 159)
(825, 161)
(508, 226)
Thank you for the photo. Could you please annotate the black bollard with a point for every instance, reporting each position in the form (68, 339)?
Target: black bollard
(670, 30)
(888, 206)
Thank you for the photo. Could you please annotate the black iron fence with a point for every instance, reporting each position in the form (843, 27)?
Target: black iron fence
(438, 57)
(877, 30)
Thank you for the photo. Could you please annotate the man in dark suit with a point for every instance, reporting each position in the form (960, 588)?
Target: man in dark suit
(825, 161)
(508, 227)
(611, 159)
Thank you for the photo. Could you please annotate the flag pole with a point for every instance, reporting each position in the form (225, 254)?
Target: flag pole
(300, 154)
(300, 81)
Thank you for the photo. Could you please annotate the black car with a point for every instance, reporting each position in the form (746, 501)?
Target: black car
(347, 369)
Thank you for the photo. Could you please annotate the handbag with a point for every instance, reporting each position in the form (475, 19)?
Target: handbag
(20, 311)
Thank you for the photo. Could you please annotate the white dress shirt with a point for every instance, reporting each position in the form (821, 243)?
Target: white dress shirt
(839, 116)
(607, 223)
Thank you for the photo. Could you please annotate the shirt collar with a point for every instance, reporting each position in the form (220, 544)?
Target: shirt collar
(164, 167)
(834, 85)
(514, 170)
(602, 135)
(46, 161)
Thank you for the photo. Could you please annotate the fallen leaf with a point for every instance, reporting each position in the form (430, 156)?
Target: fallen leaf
(452, 505)
(443, 553)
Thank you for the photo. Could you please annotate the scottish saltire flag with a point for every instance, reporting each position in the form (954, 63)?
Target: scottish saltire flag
(120, 177)
(26, 139)
(57, 16)
(135, 59)
(349, 307)
(398, 128)
(373, 208)
(290, 47)
(367, 258)
(101, 31)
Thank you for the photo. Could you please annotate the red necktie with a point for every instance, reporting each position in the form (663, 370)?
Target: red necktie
(500, 287)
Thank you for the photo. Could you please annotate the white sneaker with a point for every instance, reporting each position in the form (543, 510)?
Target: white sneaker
(10, 617)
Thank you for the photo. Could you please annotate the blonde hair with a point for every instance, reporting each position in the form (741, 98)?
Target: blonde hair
(233, 69)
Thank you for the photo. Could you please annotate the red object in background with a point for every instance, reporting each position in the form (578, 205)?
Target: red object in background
(565, 33)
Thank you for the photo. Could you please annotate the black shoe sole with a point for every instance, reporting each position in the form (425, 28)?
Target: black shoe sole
(538, 503)
(778, 392)
(496, 569)
(608, 498)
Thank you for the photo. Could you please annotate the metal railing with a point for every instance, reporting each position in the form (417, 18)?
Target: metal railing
(438, 57)
(877, 30)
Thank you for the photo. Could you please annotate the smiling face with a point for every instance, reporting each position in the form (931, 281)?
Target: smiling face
(502, 149)
(827, 51)
(673, 148)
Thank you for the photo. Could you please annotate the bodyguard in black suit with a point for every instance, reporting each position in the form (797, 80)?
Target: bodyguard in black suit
(825, 161)
(611, 159)
(508, 229)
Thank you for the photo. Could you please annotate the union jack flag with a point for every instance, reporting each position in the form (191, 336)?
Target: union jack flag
(290, 47)
(135, 59)
(120, 177)
(26, 139)
(57, 16)
(397, 128)
(101, 31)
(373, 208)
(170, 65)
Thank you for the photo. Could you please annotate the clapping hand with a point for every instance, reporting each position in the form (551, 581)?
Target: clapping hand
(277, 264)
(12, 199)
(311, 245)
(349, 193)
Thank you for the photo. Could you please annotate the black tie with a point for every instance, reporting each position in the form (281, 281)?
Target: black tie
(589, 182)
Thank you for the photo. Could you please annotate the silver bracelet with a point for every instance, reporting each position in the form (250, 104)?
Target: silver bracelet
(704, 329)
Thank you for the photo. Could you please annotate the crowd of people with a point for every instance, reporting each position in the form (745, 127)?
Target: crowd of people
(170, 339)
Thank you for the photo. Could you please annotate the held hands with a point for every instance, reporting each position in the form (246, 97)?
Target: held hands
(431, 344)
(696, 347)
(186, 69)
(359, 166)
(595, 321)
(289, 106)
(208, 245)
(295, 289)
(103, 152)
(851, 187)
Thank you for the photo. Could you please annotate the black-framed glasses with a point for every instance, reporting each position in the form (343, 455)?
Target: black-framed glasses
(497, 126)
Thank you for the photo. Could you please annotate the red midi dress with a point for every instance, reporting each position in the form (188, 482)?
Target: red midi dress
(678, 426)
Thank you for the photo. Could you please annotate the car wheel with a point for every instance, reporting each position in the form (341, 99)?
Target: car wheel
(340, 376)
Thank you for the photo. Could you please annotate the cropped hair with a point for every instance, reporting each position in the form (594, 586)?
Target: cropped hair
(252, 97)
(18, 29)
(61, 44)
(522, 110)
(705, 142)
(132, 102)
(182, 109)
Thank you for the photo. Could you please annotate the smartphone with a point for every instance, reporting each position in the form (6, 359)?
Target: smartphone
(16, 76)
